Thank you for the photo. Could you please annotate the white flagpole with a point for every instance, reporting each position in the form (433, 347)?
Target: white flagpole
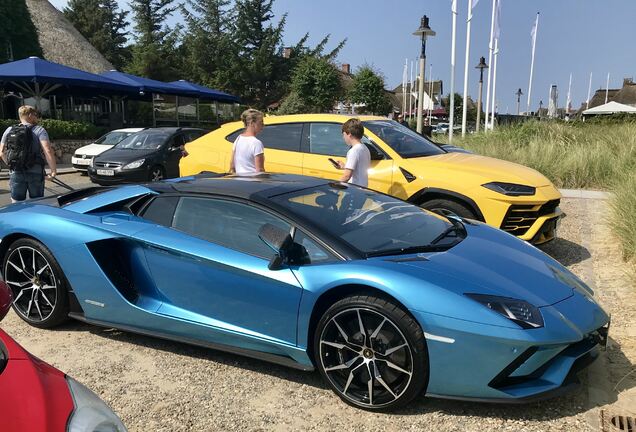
(430, 93)
(589, 90)
(465, 107)
(490, 52)
(607, 88)
(451, 117)
(534, 45)
(404, 79)
(567, 104)
(411, 93)
(494, 85)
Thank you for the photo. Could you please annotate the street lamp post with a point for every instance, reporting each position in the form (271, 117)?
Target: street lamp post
(481, 66)
(423, 32)
(519, 93)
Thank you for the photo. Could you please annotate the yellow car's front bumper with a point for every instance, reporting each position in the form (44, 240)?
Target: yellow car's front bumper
(534, 219)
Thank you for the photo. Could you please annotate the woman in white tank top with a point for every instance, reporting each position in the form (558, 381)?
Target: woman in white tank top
(248, 152)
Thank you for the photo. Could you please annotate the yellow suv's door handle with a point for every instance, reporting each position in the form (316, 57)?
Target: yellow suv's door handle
(313, 172)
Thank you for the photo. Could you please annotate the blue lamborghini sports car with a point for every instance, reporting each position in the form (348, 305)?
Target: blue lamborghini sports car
(385, 299)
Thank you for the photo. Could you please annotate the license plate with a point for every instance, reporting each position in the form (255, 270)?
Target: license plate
(105, 172)
(82, 161)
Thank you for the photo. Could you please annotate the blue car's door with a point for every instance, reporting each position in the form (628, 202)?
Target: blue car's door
(210, 267)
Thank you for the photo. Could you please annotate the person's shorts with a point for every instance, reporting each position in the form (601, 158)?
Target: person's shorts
(31, 180)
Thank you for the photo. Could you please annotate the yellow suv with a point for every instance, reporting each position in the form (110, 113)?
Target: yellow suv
(404, 164)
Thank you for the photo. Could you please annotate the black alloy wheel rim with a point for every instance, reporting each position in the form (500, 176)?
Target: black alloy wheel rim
(32, 282)
(366, 357)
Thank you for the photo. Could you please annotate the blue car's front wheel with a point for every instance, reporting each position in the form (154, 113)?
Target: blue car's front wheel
(372, 353)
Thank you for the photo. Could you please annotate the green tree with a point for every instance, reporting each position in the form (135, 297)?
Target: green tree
(155, 53)
(18, 36)
(208, 48)
(368, 89)
(103, 25)
(471, 113)
(259, 64)
(316, 83)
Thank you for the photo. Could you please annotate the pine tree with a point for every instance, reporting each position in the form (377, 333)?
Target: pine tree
(18, 36)
(103, 25)
(260, 66)
(208, 47)
(155, 53)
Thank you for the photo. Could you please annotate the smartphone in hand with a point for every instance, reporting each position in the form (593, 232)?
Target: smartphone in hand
(334, 163)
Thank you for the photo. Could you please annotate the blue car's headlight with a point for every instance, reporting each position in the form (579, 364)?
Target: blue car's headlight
(510, 189)
(520, 312)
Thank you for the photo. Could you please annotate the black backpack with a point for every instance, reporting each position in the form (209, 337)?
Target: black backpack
(21, 153)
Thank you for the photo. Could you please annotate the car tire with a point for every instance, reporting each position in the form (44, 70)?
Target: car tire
(157, 173)
(37, 283)
(371, 353)
(445, 207)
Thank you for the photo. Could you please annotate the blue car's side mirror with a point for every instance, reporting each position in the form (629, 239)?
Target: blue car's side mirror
(279, 240)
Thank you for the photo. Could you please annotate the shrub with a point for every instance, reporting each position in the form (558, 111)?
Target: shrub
(60, 129)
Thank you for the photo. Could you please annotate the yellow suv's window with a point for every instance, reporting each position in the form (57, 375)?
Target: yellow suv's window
(326, 139)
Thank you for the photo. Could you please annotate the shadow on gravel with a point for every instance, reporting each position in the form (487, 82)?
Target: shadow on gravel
(565, 251)
(571, 404)
(181, 348)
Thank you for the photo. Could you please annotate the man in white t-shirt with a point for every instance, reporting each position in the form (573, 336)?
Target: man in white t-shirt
(358, 157)
(248, 153)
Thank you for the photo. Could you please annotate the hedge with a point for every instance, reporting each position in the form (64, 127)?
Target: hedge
(60, 129)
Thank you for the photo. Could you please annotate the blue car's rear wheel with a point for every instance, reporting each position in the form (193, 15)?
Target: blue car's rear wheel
(37, 284)
(372, 353)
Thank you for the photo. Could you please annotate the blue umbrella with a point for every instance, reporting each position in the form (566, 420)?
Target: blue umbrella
(147, 85)
(205, 92)
(37, 78)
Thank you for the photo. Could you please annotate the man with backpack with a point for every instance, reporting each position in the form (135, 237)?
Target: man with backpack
(24, 148)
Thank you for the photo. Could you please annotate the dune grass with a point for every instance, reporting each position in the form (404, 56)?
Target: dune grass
(582, 155)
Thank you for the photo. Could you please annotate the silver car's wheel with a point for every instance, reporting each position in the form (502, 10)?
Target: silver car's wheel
(156, 174)
(368, 359)
(32, 274)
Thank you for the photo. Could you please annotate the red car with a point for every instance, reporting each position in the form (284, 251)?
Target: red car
(34, 396)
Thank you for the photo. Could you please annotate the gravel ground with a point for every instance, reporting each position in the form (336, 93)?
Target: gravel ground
(156, 385)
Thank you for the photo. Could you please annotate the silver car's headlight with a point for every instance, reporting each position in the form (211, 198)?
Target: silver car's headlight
(520, 312)
(91, 414)
(135, 164)
(510, 189)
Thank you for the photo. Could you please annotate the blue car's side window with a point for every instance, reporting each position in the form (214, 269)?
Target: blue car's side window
(226, 223)
(315, 253)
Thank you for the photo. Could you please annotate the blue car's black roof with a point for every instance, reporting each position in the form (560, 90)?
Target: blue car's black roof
(257, 187)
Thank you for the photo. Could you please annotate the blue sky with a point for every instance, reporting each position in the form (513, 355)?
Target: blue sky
(575, 36)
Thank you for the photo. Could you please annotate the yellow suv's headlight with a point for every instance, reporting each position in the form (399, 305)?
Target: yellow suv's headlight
(510, 189)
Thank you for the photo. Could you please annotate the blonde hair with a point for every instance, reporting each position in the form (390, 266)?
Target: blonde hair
(250, 116)
(26, 110)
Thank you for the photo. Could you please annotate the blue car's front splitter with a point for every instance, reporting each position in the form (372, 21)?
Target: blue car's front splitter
(472, 361)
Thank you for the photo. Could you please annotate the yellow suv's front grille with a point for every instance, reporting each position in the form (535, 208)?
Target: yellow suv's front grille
(520, 218)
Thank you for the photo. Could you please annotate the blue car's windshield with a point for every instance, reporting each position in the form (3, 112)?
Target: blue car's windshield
(406, 142)
(144, 141)
(372, 223)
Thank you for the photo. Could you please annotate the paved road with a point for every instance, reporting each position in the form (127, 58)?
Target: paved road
(75, 180)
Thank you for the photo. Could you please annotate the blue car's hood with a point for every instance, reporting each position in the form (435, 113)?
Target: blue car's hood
(489, 261)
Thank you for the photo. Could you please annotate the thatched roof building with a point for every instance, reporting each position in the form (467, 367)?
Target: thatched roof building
(61, 42)
(627, 95)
